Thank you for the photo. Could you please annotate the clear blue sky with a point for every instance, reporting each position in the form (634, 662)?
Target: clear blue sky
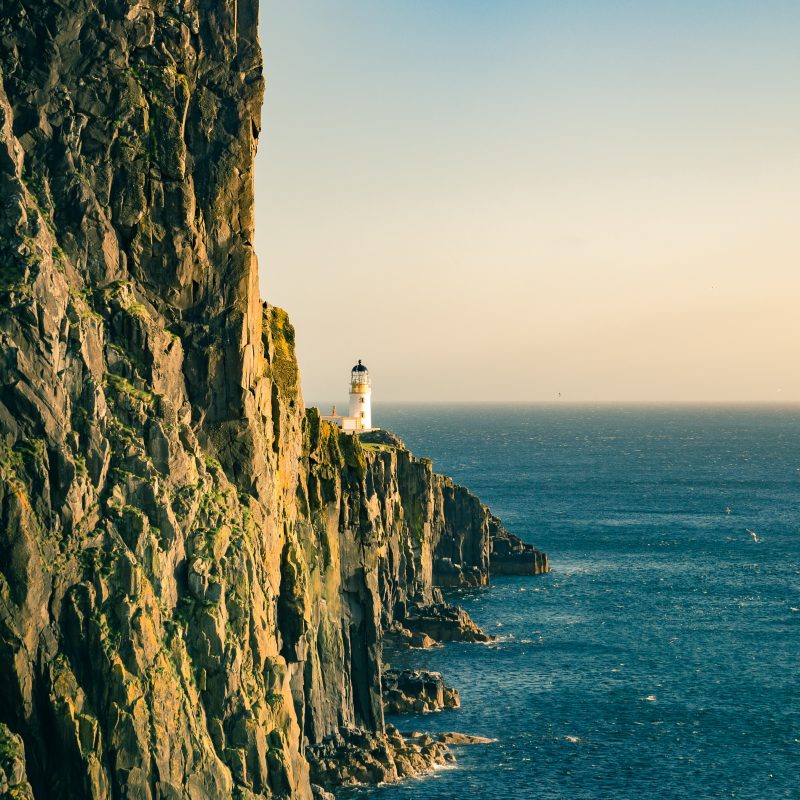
(508, 200)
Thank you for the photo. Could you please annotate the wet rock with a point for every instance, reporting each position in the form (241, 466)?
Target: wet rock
(443, 622)
(407, 691)
(463, 739)
(352, 757)
(319, 793)
(509, 555)
(422, 641)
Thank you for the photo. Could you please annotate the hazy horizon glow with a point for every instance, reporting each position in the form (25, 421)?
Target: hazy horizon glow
(513, 200)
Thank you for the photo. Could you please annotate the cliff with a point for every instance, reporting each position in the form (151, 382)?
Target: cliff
(195, 576)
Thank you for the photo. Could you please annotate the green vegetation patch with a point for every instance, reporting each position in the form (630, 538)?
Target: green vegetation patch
(280, 332)
(124, 386)
(373, 447)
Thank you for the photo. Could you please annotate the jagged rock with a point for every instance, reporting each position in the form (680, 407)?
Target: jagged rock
(398, 635)
(411, 690)
(443, 622)
(511, 556)
(422, 641)
(462, 739)
(351, 757)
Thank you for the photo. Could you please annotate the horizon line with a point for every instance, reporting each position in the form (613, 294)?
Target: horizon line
(717, 403)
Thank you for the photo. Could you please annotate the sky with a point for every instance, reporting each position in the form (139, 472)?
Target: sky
(516, 201)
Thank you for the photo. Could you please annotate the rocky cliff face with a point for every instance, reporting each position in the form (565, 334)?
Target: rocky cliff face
(195, 577)
(377, 525)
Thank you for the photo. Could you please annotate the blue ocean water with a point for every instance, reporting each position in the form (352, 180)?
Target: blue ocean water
(660, 658)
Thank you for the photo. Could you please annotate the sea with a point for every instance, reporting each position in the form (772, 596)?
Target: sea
(660, 657)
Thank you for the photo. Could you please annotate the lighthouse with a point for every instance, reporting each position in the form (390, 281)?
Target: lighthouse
(360, 396)
(360, 417)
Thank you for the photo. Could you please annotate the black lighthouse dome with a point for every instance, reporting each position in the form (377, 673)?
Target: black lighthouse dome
(359, 376)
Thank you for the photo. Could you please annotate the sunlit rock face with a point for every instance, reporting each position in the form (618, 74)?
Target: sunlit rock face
(195, 576)
(148, 466)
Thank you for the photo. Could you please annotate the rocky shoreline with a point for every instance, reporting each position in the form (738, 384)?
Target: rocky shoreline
(351, 756)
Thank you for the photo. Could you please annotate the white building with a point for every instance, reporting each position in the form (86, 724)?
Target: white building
(360, 418)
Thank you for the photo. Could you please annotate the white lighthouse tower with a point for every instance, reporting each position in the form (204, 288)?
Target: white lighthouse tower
(360, 396)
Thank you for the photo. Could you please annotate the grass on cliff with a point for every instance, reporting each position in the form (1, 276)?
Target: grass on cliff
(377, 448)
(124, 386)
(277, 329)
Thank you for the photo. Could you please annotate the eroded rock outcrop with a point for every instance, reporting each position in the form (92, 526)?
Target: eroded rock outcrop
(510, 555)
(349, 757)
(195, 575)
(416, 691)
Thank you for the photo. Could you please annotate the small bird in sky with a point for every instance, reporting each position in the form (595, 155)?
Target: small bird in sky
(753, 534)
(727, 509)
